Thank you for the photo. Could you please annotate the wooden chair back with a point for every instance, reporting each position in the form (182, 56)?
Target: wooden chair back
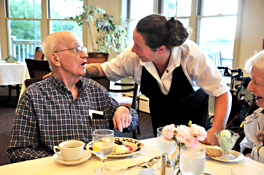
(132, 101)
(39, 54)
(96, 57)
(37, 68)
(31, 80)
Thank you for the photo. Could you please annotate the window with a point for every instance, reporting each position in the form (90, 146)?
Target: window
(138, 9)
(60, 10)
(217, 30)
(212, 24)
(24, 27)
(25, 18)
(181, 9)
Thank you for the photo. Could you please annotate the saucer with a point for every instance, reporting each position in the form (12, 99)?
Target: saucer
(86, 155)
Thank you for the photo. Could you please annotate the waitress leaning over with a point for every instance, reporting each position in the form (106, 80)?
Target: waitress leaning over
(174, 73)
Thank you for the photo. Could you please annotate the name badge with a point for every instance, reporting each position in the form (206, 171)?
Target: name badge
(96, 114)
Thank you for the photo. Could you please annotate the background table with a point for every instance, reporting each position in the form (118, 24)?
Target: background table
(50, 166)
(13, 73)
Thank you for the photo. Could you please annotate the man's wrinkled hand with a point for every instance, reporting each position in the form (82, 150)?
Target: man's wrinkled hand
(122, 118)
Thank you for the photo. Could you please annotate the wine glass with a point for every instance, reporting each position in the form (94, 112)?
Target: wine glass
(227, 140)
(164, 146)
(103, 146)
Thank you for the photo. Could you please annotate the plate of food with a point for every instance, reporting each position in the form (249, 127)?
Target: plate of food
(238, 157)
(123, 147)
(216, 153)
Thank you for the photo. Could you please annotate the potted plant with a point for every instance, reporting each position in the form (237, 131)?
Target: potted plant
(110, 35)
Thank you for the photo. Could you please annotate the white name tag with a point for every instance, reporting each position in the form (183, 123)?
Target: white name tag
(92, 112)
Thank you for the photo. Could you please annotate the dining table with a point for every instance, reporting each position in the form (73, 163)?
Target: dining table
(49, 166)
(13, 73)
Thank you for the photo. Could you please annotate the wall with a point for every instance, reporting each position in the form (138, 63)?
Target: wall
(112, 7)
(252, 33)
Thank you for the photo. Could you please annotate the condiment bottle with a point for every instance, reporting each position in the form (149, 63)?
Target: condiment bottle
(163, 163)
(169, 170)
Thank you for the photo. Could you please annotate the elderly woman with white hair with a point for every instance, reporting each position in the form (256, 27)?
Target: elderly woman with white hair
(252, 144)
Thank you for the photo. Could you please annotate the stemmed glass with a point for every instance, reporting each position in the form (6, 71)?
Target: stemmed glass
(103, 146)
(227, 141)
(164, 146)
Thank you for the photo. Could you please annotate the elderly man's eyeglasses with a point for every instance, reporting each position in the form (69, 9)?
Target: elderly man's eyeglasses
(77, 50)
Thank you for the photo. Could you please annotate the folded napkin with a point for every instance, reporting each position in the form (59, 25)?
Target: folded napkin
(11, 59)
(148, 171)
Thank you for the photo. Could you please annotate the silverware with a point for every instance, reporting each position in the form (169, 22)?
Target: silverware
(207, 173)
(146, 164)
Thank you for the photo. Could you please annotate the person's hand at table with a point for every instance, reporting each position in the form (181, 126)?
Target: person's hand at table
(248, 155)
(211, 138)
(122, 118)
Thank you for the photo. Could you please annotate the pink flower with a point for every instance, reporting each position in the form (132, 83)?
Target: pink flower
(198, 132)
(189, 136)
(183, 133)
(169, 132)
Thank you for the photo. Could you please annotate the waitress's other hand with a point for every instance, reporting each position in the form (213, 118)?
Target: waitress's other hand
(211, 138)
(47, 75)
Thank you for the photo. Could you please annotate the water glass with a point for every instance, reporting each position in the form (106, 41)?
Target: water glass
(163, 145)
(192, 161)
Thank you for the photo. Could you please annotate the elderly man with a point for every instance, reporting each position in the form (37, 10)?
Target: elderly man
(60, 108)
(252, 145)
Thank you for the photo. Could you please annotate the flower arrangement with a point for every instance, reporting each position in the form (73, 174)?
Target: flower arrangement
(188, 136)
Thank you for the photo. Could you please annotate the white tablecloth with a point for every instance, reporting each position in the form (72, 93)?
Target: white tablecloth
(13, 73)
(49, 166)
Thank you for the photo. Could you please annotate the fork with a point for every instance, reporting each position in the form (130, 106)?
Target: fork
(146, 164)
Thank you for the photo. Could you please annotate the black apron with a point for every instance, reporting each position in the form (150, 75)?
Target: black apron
(179, 106)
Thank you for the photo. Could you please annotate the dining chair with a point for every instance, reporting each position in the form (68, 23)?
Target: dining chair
(96, 57)
(29, 81)
(132, 100)
(37, 68)
(39, 54)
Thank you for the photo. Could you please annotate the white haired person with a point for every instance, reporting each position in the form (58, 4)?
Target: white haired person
(59, 108)
(252, 144)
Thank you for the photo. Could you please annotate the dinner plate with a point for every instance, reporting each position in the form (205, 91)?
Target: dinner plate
(135, 144)
(239, 156)
(86, 155)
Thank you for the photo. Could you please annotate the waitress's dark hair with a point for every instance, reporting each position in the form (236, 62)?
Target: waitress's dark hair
(157, 31)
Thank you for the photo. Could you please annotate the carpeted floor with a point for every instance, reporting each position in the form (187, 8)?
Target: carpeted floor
(7, 114)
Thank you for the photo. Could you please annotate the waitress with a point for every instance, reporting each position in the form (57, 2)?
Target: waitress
(174, 73)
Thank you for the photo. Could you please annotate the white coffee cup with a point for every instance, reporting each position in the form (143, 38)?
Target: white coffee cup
(70, 150)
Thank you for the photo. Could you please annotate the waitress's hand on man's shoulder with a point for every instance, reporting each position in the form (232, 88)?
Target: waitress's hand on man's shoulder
(47, 75)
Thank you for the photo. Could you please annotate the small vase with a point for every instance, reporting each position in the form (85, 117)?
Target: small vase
(176, 159)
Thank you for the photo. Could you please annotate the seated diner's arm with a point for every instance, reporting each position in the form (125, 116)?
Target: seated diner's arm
(125, 118)
(24, 142)
(120, 116)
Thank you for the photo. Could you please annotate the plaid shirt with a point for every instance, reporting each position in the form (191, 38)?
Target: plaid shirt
(47, 114)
